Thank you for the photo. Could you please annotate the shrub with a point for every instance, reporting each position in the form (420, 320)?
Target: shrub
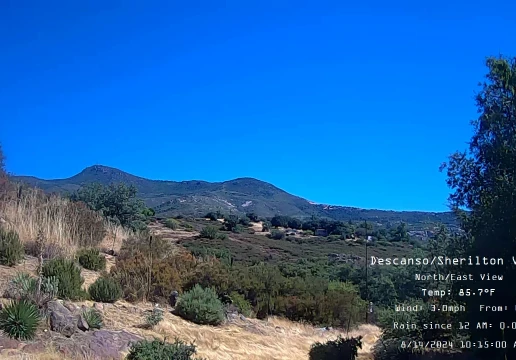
(243, 306)
(339, 349)
(154, 318)
(91, 259)
(25, 287)
(266, 226)
(146, 244)
(89, 229)
(209, 232)
(188, 227)
(238, 229)
(158, 350)
(93, 318)
(222, 236)
(201, 306)
(106, 290)
(19, 320)
(171, 224)
(212, 216)
(244, 221)
(277, 235)
(69, 277)
(117, 202)
(252, 217)
(11, 248)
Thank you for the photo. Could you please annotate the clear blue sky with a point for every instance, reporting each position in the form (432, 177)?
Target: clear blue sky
(336, 102)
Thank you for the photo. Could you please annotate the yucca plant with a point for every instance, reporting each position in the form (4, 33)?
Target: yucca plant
(19, 320)
(25, 287)
(93, 318)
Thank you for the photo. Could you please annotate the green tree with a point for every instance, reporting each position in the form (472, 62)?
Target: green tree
(483, 183)
(117, 202)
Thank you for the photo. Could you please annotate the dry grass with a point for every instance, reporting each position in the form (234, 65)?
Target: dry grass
(250, 339)
(33, 211)
(115, 236)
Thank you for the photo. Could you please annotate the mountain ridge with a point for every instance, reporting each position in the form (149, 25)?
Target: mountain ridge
(240, 195)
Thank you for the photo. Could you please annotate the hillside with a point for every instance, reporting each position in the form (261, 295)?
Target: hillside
(240, 195)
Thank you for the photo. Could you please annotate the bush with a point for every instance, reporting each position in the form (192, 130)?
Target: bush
(69, 276)
(252, 217)
(244, 221)
(146, 244)
(238, 229)
(171, 224)
(212, 216)
(158, 350)
(201, 306)
(93, 318)
(222, 236)
(89, 228)
(11, 248)
(91, 259)
(106, 290)
(209, 232)
(243, 306)
(277, 235)
(19, 320)
(339, 349)
(25, 287)
(154, 318)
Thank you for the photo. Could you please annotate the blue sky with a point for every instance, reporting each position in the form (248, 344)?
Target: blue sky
(336, 102)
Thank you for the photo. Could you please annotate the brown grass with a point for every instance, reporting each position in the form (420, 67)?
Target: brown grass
(251, 339)
(34, 211)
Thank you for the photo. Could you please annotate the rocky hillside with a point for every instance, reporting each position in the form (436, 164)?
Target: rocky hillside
(241, 195)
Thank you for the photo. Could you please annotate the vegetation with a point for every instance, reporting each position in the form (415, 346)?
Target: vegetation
(154, 318)
(11, 248)
(171, 224)
(106, 290)
(209, 232)
(340, 349)
(69, 276)
(91, 259)
(116, 202)
(160, 350)
(26, 287)
(93, 318)
(19, 320)
(201, 306)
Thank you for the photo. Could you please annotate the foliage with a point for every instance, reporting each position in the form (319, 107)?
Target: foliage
(483, 183)
(106, 290)
(209, 232)
(171, 224)
(244, 221)
(158, 350)
(93, 317)
(201, 306)
(19, 320)
(11, 248)
(91, 259)
(230, 222)
(212, 216)
(25, 287)
(154, 318)
(252, 217)
(69, 276)
(243, 305)
(117, 202)
(266, 226)
(89, 228)
(339, 349)
(167, 275)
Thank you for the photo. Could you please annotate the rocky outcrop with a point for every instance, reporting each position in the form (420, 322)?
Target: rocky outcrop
(62, 320)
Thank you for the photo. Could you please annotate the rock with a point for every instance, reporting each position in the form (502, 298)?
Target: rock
(82, 324)
(8, 343)
(70, 306)
(97, 345)
(61, 319)
(35, 348)
(98, 306)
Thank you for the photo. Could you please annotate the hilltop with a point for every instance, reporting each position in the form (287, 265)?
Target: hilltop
(196, 198)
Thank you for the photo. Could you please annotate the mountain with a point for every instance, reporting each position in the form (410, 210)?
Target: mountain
(240, 195)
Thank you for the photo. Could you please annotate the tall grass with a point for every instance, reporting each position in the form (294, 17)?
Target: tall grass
(65, 226)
